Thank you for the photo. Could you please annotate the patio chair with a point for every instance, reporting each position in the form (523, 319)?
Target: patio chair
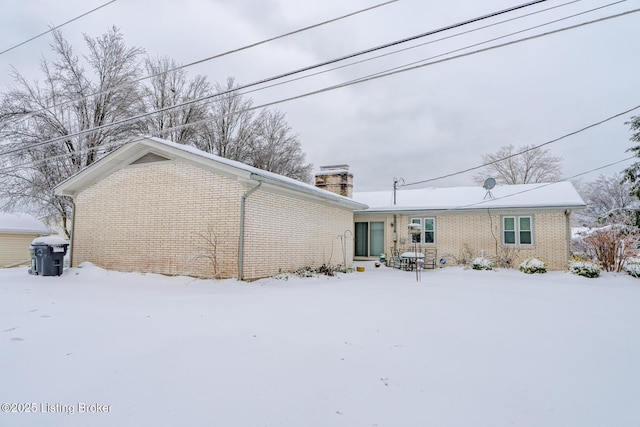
(430, 257)
(397, 261)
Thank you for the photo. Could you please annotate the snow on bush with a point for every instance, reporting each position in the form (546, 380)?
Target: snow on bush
(632, 267)
(533, 265)
(584, 268)
(481, 263)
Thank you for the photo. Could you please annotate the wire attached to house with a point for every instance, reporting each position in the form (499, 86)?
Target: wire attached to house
(542, 185)
(535, 147)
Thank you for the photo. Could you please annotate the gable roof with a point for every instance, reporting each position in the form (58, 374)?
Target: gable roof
(22, 224)
(146, 149)
(543, 195)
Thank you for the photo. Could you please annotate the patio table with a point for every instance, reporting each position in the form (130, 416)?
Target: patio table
(412, 256)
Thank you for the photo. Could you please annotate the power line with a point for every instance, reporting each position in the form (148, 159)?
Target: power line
(493, 39)
(220, 55)
(525, 151)
(441, 39)
(59, 26)
(208, 97)
(399, 70)
(67, 136)
(311, 67)
(413, 68)
(377, 76)
(542, 185)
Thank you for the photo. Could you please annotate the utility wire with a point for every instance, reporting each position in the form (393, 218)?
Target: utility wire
(162, 131)
(311, 67)
(524, 151)
(325, 89)
(399, 70)
(542, 185)
(208, 97)
(220, 55)
(339, 86)
(493, 39)
(383, 75)
(438, 40)
(238, 88)
(55, 28)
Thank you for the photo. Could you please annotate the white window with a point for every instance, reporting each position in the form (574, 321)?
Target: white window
(427, 231)
(517, 230)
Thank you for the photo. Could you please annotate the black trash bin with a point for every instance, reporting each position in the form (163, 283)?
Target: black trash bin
(47, 255)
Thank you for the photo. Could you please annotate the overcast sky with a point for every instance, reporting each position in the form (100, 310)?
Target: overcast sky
(417, 125)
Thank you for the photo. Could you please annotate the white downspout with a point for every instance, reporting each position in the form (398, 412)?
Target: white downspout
(241, 232)
(567, 214)
(73, 228)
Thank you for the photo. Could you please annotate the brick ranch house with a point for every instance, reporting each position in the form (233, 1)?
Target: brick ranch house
(156, 206)
(520, 221)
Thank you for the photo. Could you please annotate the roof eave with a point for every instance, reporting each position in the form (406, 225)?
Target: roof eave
(458, 209)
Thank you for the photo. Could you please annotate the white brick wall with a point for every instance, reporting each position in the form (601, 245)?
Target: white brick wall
(285, 233)
(455, 230)
(151, 218)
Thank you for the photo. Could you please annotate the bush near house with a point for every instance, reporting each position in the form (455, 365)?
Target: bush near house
(610, 245)
(632, 267)
(481, 263)
(533, 265)
(584, 268)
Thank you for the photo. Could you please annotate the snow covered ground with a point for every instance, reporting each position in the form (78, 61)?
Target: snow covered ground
(459, 348)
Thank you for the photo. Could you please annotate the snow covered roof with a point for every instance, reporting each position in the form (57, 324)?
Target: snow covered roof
(546, 195)
(144, 145)
(21, 223)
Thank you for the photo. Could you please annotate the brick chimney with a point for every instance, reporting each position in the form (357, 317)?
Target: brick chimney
(337, 179)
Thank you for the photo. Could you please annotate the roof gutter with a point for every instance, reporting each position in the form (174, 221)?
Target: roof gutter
(243, 200)
(396, 209)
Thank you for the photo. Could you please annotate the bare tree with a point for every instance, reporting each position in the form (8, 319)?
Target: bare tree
(508, 166)
(76, 95)
(606, 196)
(169, 87)
(277, 149)
(232, 127)
(264, 141)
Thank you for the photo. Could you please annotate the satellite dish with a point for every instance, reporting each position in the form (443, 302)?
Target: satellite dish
(489, 183)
